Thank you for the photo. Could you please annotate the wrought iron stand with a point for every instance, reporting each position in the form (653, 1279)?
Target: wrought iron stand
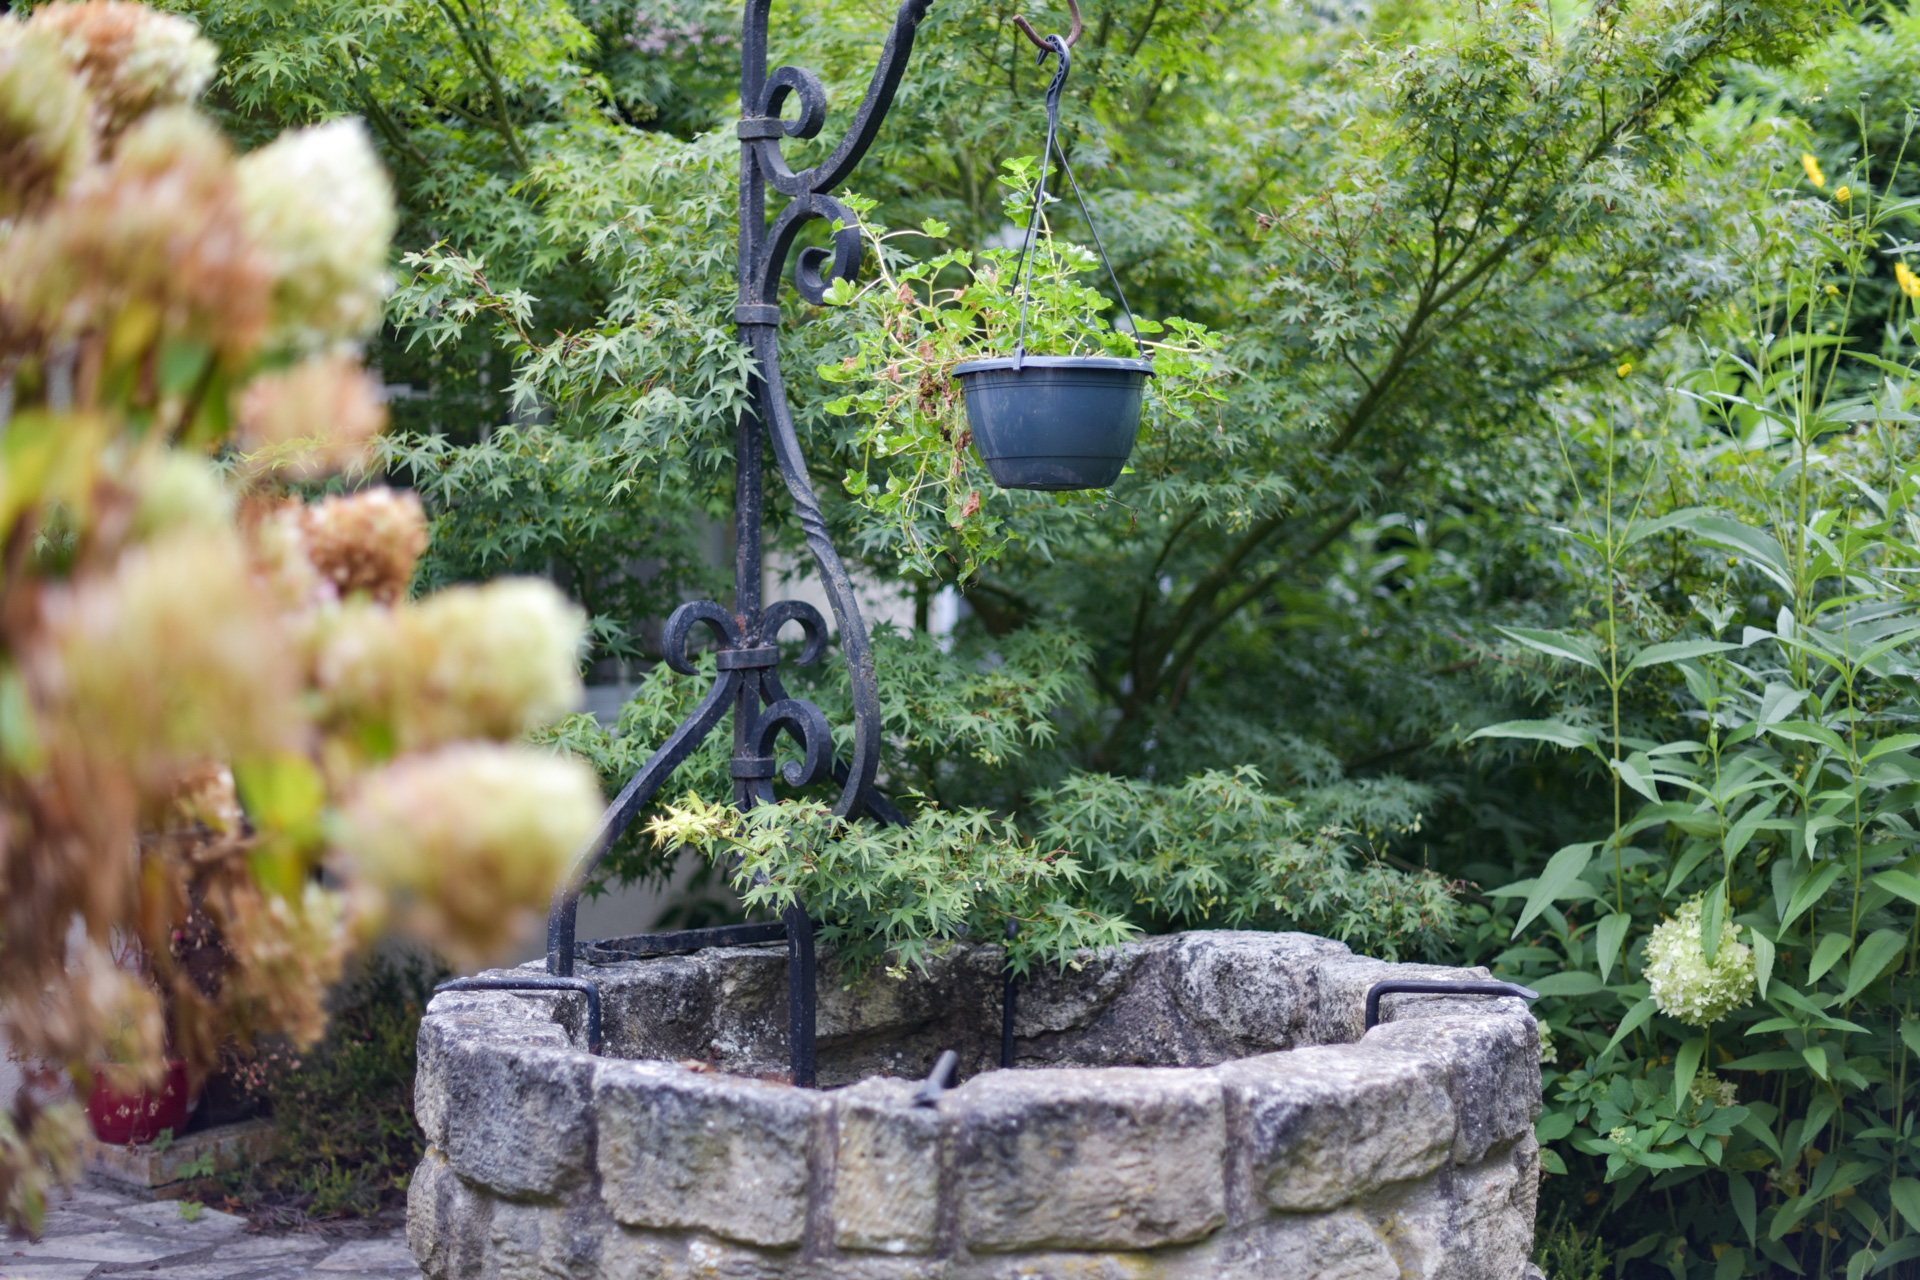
(749, 658)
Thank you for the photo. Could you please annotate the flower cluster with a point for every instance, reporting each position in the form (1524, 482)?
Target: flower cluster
(1683, 983)
(231, 745)
(320, 205)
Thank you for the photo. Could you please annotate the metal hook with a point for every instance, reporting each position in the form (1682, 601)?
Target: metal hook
(1073, 37)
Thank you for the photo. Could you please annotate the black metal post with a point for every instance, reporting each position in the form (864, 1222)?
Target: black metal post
(749, 656)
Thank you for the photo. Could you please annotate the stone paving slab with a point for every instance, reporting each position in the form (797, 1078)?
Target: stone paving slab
(93, 1233)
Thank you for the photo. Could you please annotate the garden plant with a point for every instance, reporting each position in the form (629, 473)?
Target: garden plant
(1520, 571)
(231, 747)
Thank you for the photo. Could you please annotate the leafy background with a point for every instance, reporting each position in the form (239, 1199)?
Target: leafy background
(1547, 570)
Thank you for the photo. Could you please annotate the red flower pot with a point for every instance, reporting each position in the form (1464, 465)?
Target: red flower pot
(120, 1117)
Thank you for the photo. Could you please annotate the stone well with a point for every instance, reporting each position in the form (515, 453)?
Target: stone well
(1199, 1106)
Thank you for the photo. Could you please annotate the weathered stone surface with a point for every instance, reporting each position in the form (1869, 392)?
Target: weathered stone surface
(1322, 1126)
(478, 1019)
(1471, 1223)
(1253, 990)
(1341, 1245)
(886, 1189)
(517, 1118)
(1309, 1152)
(447, 1222)
(1489, 1065)
(686, 1149)
(1092, 1158)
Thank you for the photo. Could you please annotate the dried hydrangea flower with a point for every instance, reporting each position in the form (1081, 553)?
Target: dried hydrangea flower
(320, 205)
(172, 658)
(490, 661)
(134, 59)
(1683, 984)
(467, 841)
(149, 246)
(44, 139)
(367, 541)
(179, 491)
(313, 419)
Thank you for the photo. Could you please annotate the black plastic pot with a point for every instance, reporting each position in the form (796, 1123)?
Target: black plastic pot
(1057, 422)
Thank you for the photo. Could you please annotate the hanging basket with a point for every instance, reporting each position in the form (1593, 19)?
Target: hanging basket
(1054, 422)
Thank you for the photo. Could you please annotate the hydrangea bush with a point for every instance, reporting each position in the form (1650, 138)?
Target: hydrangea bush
(231, 747)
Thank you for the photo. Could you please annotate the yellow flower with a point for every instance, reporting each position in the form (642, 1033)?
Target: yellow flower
(1833, 291)
(1843, 193)
(1909, 283)
(1812, 166)
(1626, 368)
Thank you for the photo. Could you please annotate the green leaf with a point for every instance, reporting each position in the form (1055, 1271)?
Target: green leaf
(1809, 889)
(1910, 1033)
(1762, 960)
(1676, 651)
(1553, 1126)
(1561, 874)
(1808, 731)
(1570, 982)
(1637, 772)
(1713, 919)
(1686, 1063)
(1898, 742)
(1607, 938)
(1826, 954)
(1635, 1019)
(1903, 883)
(1816, 1058)
(1871, 959)
(1740, 1192)
(1762, 550)
(1557, 643)
(1560, 735)
(1905, 1194)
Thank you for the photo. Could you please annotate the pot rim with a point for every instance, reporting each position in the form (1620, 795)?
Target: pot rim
(990, 363)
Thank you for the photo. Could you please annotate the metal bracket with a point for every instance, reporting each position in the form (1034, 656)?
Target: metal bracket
(939, 1080)
(1436, 987)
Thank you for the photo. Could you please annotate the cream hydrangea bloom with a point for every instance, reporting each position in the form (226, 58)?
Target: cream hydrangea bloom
(320, 205)
(1681, 981)
(466, 842)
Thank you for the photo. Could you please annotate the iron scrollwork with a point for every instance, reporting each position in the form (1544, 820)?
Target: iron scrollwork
(748, 656)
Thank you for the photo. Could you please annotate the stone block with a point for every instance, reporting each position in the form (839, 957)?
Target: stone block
(518, 1119)
(447, 1221)
(886, 1189)
(1490, 1067)
(1254, 990)
(545, 1242)
(1106, 1158)
(1318, 1127)
(1469, 1223)
(1341, 1245)
(475, 1018)
(681, 1149)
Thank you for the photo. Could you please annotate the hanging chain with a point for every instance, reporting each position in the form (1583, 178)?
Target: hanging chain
(1057, 46)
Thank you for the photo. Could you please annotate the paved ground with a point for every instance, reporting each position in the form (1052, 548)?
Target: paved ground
(92, 1233)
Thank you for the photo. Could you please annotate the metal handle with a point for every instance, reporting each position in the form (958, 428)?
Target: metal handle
(1039, 41)
(939, 1080)
(1431, 987)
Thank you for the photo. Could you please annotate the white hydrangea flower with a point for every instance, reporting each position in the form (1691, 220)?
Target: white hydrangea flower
(1683, 984)
(466, 843)
(169, 59)
(320, 205)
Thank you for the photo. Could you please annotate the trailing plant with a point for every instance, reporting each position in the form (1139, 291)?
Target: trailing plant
(914, 320)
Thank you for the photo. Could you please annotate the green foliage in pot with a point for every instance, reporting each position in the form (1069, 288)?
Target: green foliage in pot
(914, 320)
